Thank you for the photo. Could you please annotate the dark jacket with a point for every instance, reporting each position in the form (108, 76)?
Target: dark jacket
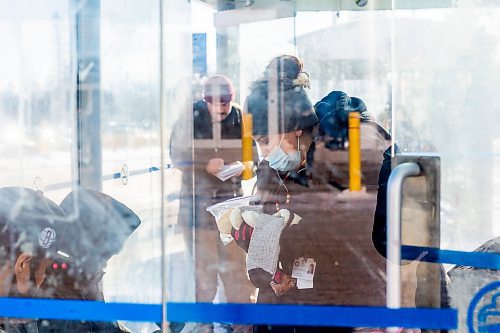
(379, 232)
(311, 238)
(202, 122)
(340, 260)
(189, 156)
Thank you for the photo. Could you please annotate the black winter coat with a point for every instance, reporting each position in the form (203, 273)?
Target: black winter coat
(191, 159)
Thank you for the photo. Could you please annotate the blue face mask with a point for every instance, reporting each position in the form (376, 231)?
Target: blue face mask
(280, 161)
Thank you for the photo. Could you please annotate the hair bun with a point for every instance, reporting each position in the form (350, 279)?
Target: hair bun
(302, 80)
(284, 68)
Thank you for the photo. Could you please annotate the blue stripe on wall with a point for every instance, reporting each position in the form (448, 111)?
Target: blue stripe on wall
(474, 259)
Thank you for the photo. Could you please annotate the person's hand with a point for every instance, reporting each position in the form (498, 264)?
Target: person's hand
(214, 165)
(282, 283)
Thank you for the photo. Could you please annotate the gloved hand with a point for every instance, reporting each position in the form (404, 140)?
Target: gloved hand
(243, 235)
(243, 221)
(282, 283)
(259, 277)
(230, 220)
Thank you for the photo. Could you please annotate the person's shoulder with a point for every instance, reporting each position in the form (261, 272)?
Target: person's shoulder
(236, 107)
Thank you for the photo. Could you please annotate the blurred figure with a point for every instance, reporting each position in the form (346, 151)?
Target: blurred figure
(305, 248)
(217, 143)
(30, 232)
(97, 227)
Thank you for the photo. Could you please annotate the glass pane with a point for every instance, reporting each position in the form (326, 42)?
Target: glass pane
(81, 193)
(176, 110)
(446, 59)
(36, 96)
(168, 151)
(131, 145)
(206, 134)
(334, 237)
(351, 65)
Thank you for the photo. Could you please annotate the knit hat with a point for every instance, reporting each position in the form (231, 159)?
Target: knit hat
(29, 222)
(278, 102)
(98, 226)
(219, 89)
(293, 109)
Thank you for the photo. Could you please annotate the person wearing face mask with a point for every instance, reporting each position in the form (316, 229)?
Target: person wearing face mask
(30, 230)
(281, 161)
(298, 204)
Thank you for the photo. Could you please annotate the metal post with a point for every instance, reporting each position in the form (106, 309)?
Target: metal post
(394, 187)
(354, 152)
(88, 96)
(246, 146)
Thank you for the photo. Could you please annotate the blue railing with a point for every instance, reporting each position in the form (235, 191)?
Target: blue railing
(299, 315)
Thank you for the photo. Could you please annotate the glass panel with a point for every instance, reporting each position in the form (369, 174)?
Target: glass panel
(81, 124)
(36, 96)
(352, 66)
(333, 242)
(131, 144)
(446, 60)
(132, 120)
(176, 113)
(203, 269)
(252, 63)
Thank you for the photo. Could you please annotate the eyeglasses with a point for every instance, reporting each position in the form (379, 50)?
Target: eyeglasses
(222, 99)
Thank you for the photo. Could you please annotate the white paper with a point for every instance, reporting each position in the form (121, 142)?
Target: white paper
(230, 170)
(220, 208)
(304, 284)
(304, 269)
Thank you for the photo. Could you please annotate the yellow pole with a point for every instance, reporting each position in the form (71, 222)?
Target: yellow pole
(354, 152)
(246, 146)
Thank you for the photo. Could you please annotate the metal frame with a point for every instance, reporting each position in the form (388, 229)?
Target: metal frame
(394, 186)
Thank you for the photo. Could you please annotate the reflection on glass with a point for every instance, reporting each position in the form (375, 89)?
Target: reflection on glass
(211, 174)
(102, 113)
(446, 60)
(45, 146)
(36, 93)
(58, 251)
